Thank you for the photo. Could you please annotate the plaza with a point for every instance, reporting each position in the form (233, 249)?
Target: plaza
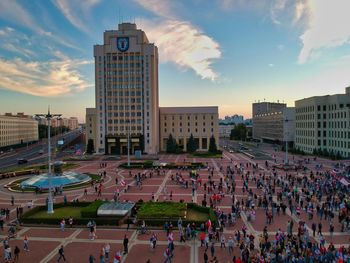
(45, 240)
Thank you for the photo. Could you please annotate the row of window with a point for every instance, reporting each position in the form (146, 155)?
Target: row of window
(188, 130)
(188, 124)
(188, 117)
(330, 107)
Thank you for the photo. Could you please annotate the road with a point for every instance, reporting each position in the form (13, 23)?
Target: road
(32, 152)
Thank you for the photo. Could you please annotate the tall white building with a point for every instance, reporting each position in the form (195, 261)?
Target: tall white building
(126, 81)
(323, 122)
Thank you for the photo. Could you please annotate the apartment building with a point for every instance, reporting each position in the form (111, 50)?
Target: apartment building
(323, 122)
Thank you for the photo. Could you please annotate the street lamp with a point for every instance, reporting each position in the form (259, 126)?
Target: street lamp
(49, 117)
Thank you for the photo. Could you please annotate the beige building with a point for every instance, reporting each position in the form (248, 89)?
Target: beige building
(73, 123)
(127, 100)
(225, 130)
(273, 122)
(181, 122)
(17, 129)
(323, 122)
(90, 125)
(126, 82)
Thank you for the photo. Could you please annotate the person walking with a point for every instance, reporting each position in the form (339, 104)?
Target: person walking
(117, 257)
(206, 258)
(26, 243)
(91, 259)
(16, 253)
(167, 255)
(126, 244)
(61, 254)
(319, 228)
(102, 255)
(62, 224)
(230, 245)
(212, 250)
(313, 227)
(107, 250)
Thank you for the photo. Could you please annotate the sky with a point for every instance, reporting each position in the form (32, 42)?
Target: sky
(228, 53)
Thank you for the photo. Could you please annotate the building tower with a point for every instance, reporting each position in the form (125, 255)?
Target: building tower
(126, 91)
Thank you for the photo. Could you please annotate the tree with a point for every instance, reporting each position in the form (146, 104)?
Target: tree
(142, 143)
(239, 132)
(171, 145)
(212, 145)
(90, 146)
(191, 145)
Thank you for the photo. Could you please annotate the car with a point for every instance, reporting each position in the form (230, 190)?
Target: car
(231, 151)
(22, 161)
(40, 151)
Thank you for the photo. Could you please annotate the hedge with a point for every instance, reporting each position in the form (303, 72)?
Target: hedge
(90, 211)
(160, 221)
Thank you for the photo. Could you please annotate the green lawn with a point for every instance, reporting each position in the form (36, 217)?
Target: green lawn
(62, 212)
(161, 210)
(194, 215)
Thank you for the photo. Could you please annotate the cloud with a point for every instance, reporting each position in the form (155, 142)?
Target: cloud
(75, 11)
(276, 7)
(180, 41)
(162, 8)
(328, 27)
(11, 10)
(45, 79)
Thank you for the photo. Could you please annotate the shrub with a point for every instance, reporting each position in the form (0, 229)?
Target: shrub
(90, 211)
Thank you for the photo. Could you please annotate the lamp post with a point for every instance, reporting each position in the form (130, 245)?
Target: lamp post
(49, 117)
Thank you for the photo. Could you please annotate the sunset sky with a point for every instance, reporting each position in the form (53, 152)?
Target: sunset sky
(228, 53)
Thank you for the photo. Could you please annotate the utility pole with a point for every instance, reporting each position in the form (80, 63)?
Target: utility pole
(49, 117)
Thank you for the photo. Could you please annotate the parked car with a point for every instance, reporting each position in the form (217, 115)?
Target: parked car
(22, 161)
(41, 151)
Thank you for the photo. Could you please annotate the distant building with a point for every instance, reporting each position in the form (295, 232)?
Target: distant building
(71, 122)
(273, 122)
(225, 130)
(181, 122)
(17, 129)
(235, 119)
(323, 122)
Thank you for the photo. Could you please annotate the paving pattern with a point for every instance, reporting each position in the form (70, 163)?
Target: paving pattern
(44, 242)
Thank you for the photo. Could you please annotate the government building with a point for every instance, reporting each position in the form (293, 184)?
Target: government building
(323, 123)
(16, 130)
(274, 123)
(127, 100)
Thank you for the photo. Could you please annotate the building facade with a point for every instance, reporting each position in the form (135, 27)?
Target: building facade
(323, 123)
(90, 125)
(225, 130)
(126, 91)
(181, 122)
(273, 122)
(17, 129)
(127, 100)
